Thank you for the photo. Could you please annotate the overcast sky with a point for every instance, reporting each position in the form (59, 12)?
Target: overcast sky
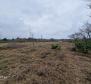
(50, 18)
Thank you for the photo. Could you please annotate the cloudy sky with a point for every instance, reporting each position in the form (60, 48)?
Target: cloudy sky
(50, 18)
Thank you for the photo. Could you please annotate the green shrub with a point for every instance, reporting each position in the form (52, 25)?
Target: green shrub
(55, 46)
(82, 46)
(89, 44)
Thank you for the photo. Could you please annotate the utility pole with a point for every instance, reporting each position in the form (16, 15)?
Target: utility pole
(41, 37)
(33, 40)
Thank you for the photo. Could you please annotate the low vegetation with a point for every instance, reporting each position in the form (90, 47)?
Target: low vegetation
(42, 65)
(56, 46)
(83, 46)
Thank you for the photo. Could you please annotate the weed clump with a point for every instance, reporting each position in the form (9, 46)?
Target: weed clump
(55, 46)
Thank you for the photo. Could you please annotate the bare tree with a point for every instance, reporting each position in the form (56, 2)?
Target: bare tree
(86, 31)
(76, 36)
(32, 38)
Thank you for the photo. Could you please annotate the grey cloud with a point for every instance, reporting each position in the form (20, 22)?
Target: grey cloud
(56, 18)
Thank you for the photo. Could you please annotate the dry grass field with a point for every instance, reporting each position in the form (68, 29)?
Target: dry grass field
(23, 63)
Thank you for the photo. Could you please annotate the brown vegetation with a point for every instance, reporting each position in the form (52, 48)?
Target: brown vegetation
(21, 63)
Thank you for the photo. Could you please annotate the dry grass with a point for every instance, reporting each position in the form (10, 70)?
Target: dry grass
(21, 63)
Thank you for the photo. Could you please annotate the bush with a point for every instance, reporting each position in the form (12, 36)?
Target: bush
(82, 46)
(5, 39)
(89, 44)
(55, 46)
